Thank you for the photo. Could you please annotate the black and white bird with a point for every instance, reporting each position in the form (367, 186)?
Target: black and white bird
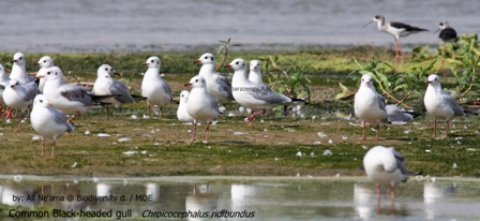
(397, 30)
(447, 34)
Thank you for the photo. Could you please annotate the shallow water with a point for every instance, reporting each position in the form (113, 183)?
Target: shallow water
(258, 198)
(60, 26)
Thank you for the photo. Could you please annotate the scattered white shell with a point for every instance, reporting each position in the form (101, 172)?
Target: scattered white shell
(249, 111)
(313, 117)
(398, 122)
(36, 137)
(130, 152)
(87, 132)
(312, 154)
(74, 165)
(265, 129)
(1, 134)
(189, 131)
(327, 152)
(406, 132)
(261, 121)
(458, 138)
(133, 117)
(222, 109)
(238, 133)
(124, 139)
(330, 141)
(321, 134)
(433, 179)
(241, 109)
(317, 142)
(298, 174)
(214, 122)
(145, 116)
(299, 154)
(231, 114)
(103, 135)
(428, 151)
(344, 137)
(205, 142)
(454, 166)
(156, 144)
(8, 121)
(337, 175)
(364, 147)
(275, 159)
(143, 152)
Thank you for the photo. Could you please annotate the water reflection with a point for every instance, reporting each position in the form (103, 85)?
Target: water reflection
(302, 199)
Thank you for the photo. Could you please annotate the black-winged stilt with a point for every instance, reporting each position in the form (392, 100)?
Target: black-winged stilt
(397, 30)
(447, 34)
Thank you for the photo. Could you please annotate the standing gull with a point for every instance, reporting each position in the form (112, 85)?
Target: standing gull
(440, 104)
(217, 85)
(19, 71)
(201, 105)
(182, 113)
(154, 88)
(4, 82)
(255, 74)
(385, 167)
(397, 30)
(19, 96)
(105, 85)
(69, 98)
(45, 63)
(369, 105)
(252, 95)
(447, 34)
(48, 121)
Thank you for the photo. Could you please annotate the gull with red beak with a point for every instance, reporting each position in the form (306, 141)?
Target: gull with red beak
(104, 85)
(154, 88)
(440, 104)
(19, 96)
(369, 105)
(201, 106)
(45, 63)
(217, 85)
(252, 95)
(19, 71)
(48, 121)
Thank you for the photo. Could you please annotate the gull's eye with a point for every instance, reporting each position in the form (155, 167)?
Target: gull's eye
(206, 57)
(237, 62)
(20, 58)
(196, 80)
(151, 61)
(106, 69)
(44, 61)
(48, 73)
(41, 101)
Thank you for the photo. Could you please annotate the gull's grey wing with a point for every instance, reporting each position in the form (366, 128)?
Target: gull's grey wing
(381, 102)
(225, 85)
(120, 93)
(76, 93)
(396, 114)
(452, 102)
(265, 94)
(167, 89)
(400, 162)
(31, 90)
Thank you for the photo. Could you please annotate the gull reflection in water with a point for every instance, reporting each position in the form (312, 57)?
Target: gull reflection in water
(434, 193)
(201, 202)
(152, 189)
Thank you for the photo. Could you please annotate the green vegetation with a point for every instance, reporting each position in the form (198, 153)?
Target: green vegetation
(163, 146)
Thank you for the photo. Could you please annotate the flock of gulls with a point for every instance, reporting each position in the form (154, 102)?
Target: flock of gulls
(53, 98)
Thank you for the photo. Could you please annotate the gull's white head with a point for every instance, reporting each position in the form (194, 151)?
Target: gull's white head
(45, 62)
(14, 84)
(434, 80)
(53, 73)
(41, 100)
(367, 81)
(184, 96)
(197, 82)
(153, 62)
(19, 59)
(206, 58)
(106, 70)
(255, 65)
(237, 64)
